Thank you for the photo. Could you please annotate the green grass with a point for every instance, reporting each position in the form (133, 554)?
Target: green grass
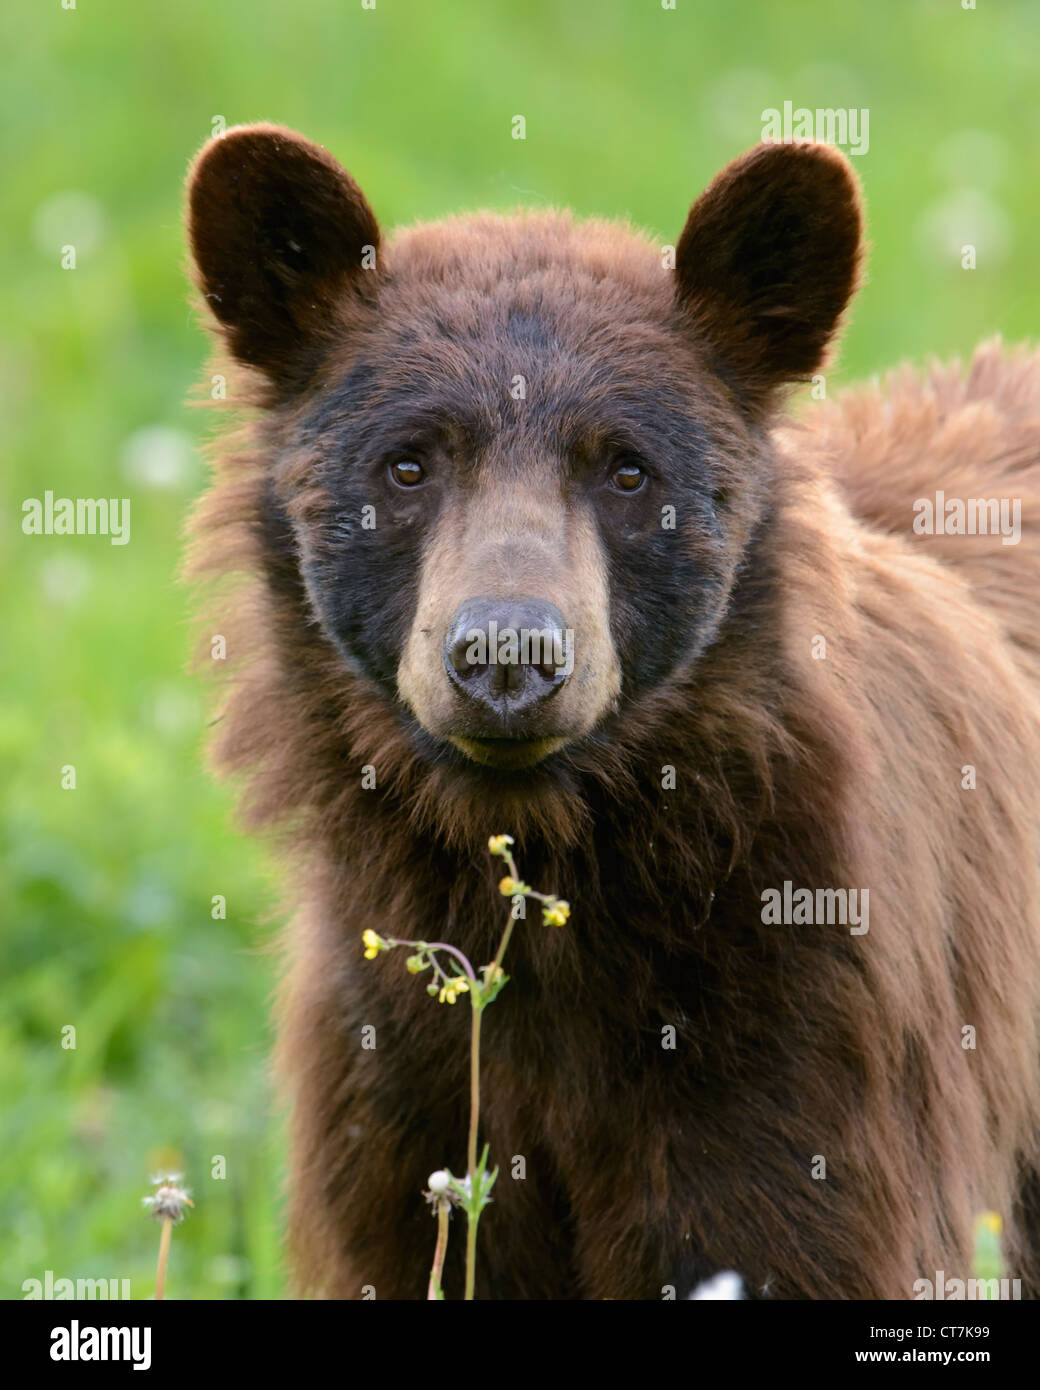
(107, 888)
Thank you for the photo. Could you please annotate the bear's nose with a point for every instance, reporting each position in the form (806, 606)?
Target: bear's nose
(508, 655)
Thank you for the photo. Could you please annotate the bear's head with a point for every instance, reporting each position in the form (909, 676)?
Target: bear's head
(520, 463)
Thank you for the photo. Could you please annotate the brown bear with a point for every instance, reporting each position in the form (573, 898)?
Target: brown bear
(787, 775)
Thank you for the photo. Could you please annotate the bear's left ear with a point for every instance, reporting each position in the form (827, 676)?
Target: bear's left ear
(281, 236)
(767, 262)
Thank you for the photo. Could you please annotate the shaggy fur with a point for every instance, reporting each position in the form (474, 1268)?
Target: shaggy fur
(645, 1167)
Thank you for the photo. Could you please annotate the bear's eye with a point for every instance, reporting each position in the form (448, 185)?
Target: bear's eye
(628, 477)
(407, 473)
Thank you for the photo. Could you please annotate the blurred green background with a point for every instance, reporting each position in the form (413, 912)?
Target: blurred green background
(630, 109)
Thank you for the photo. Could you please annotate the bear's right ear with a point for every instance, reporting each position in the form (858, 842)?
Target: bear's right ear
(767, 262)
(279, 233)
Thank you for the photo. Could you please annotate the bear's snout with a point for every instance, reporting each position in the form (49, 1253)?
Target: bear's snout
(505, 657)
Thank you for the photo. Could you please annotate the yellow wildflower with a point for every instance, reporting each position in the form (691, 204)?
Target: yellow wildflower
(450, 992)
(373, 943)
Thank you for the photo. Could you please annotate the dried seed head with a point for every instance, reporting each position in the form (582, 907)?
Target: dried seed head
(169, 1199)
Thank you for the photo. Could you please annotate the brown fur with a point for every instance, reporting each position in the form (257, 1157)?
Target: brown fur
(647, 1167)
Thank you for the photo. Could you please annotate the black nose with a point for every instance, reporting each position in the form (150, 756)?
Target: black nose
(508, 655)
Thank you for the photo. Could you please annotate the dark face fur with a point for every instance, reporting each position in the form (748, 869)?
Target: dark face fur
(519, 425)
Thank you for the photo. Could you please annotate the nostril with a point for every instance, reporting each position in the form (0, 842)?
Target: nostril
(464, 653)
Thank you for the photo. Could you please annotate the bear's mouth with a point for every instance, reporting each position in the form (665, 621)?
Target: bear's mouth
(509, 754)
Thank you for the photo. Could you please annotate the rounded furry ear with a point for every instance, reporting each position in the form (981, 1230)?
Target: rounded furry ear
(767, 262)
(279, 232)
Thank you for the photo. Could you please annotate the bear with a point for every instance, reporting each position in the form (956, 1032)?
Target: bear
(787, 775)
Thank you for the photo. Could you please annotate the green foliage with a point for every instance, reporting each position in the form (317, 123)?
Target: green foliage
(106, 890)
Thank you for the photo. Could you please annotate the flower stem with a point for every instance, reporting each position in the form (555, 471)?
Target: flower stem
(432, 946)
(471, 1149)
(474, 1091)
(164, 1255)
(437, 1272)
(492, 970)
(471, 1257)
